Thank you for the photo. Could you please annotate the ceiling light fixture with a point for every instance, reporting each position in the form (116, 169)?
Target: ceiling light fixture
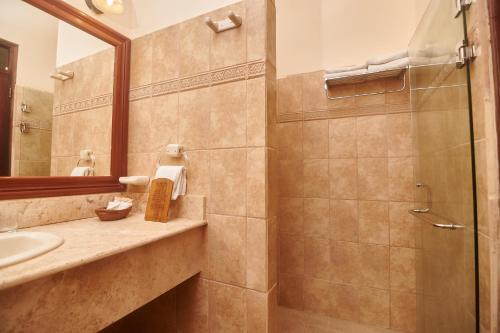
(106, 6)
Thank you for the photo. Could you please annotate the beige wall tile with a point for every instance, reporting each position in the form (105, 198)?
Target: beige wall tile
(194, 118)
(374, 222)
(402, 225)
(373, 179)
(344, 224)
(290, 141)
(345, 302)
(403, 274)
(345, 262)
(227, 307)
(257, 254)
(256, 29)
(290, 94)
(165, 61)
(291, 255)
(257, 311)
(141, 61)
(227, 249)
(257, 187)
(291, 219)
(399, 132)
(316, 217)
(374, 307)
(367, 88)
(228, 115)
(192, 306)
(315, 178)
(194, 51)
(256, 112)
(343, 139)
(343, 179)
(198, 173)
(272, 252)
(317, 258)
(228, 182)
(291, 181)
(401, 180)
(374, 266)
(139, 133)
(164, 119)
(316, 296)
(290, 291)
(403, 311)
(315, 143)
(372, 136)
(273, 166)
(228, 48)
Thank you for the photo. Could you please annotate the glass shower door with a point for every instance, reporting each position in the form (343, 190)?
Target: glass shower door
(444, 175)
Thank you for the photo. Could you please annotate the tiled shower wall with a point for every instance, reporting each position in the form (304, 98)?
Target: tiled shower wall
(82, 112)
(346, 240)
(215, 95)
(30, 155)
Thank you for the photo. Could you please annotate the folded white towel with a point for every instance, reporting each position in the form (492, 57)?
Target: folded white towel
(177, 174)
(346, 69)
(396, 64)
(346, 74)
(387, 58)
(81, 172)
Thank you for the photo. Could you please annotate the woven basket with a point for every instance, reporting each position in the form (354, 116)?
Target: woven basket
(112, 215)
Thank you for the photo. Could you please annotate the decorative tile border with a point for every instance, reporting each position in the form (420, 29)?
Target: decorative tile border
(220, 76)
(83, 105)
(344, 112)
(207, 79)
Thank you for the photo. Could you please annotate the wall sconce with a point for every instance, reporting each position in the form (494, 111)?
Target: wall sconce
(106, 6)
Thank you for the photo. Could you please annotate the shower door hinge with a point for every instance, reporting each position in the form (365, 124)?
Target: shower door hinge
(465, 54)
(461, 5)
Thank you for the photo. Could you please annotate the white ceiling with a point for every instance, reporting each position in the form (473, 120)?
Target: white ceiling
(145, 16)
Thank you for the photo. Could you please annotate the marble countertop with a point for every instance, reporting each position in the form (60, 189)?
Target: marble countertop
(89, 240)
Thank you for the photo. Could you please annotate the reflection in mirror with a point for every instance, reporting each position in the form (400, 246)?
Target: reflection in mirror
(56, 96)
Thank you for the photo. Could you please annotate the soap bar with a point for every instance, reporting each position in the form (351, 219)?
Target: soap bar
(160, 194)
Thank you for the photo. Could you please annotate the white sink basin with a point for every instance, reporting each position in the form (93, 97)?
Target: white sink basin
(19, 246)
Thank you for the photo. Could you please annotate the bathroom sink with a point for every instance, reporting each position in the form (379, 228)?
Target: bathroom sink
(19, 246)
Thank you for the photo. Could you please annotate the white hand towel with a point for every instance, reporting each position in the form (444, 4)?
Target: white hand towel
(396, 64)
(346, 74)
(346, 69)
(81, 172)
(387, 58)
(175, 173)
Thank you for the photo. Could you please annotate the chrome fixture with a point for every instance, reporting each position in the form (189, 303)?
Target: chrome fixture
(362, 78)
(24, 108)
(24, 127)
(465, 53)
(427, 209)
(62, 76)
(461, 5)
(233, 21)
(448, 226)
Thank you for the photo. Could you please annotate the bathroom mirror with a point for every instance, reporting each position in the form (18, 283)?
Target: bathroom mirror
(63, 101)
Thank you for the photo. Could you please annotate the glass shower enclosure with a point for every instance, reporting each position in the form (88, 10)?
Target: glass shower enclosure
(445, 202)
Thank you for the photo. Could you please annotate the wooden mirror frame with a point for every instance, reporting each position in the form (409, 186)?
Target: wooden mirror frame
(33, 187)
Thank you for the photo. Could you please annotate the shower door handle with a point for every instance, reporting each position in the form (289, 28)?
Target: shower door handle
(448, 226)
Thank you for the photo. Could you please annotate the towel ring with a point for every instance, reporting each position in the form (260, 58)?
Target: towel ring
(158, 162)
(92, 168)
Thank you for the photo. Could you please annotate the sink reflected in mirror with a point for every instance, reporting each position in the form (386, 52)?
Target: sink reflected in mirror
(16, 247)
